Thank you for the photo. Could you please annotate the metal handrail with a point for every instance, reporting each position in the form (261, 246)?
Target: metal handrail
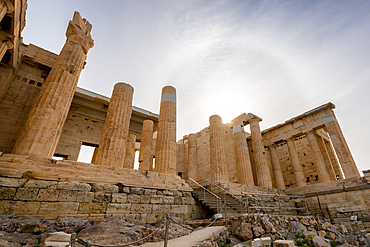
(227, 192)
(204, 188)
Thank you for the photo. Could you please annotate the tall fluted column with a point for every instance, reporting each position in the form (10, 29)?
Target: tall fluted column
(129, 160)
(341, 147)
(112, 145)
(41, 132)
(325, 155)
(193, 159)
(243, 162)
(146, 145)
(262, 167)
(297, 169)
(278, 174)
(217, 148)
(165, 153)
(319, 159)
(333, 159)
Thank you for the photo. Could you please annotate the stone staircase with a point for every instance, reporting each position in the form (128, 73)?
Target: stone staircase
(215, 197)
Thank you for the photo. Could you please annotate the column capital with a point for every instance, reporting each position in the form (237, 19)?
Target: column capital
(253, 118)
(78, 32)
(9, 6)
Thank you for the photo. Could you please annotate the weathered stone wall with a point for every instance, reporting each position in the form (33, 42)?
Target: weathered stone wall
(305, 158)
(53, 199)
(339, 200)
(18, 101)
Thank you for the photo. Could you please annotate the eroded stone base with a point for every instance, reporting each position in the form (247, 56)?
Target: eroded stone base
(53, 199)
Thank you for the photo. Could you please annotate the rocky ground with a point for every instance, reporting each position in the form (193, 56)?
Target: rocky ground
(30, 231)
(305, 231)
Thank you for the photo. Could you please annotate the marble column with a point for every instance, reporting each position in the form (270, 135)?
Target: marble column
(341, 147)
(278, 174)
(146, 146)
(5, 44)
(129, 160)
(41, 132)
(329, 166)
(262, 167)
(165, 153)
(217, 150)
(243, 163)
(297, 169)
(192, 157)
(333, 159)
(317, 155)
(112, 145)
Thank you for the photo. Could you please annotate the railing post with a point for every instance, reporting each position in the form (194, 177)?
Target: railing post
(73, 240)
(166, 231)
(279, 205)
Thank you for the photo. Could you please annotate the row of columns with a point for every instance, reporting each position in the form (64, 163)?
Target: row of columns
(40, 134)
(6, 7)
(327, 165)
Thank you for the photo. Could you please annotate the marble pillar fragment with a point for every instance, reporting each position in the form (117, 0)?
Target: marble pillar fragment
(146, 146)
(112, 145)
(341, 147)
(278, 174)
(41, 132)
(129, 160)
(317, 155)
(217, 150)
(297, 168)
(192, 157)
(165, 152)
(243, 163)
(262, 167)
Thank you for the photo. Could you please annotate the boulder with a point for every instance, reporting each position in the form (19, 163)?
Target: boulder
(244, 231)
(258, 231)
(320, 242)
(269, 227)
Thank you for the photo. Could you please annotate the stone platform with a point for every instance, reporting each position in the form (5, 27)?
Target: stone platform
(18, 166)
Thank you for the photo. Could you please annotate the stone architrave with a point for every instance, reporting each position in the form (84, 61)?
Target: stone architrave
(217, 148)
(319, 159)
(165, 152)
(192, 157)
(243, 163)
(278, 174)
(146, 146)
(41, 132)
(341, 147)
(129, 160)
(333, 159)
(261, 164)
(112, 146)
(297, 169)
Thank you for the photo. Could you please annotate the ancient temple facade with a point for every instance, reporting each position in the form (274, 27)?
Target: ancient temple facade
(45, 119)
(307, 149)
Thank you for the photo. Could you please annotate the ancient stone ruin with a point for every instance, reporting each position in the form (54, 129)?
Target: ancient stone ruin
(44, 116)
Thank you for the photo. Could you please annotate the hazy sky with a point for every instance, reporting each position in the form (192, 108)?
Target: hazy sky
(276, 59)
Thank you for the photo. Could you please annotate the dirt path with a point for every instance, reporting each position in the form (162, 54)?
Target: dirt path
(189, 240)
